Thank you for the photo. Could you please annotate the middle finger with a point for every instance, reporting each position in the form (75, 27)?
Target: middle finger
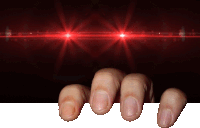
(105, 85)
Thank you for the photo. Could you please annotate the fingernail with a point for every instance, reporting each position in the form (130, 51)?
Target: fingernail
(130, 106)
(68, 109)
(165, 117)
(100, 100)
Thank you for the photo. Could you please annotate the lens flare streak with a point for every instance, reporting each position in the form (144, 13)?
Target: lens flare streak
(97, 35)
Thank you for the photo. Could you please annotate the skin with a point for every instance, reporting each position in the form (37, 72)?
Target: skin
(119, 86)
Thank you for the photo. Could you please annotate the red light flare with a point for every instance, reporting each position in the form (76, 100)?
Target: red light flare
(63, 21)
(112, 37)
(84, 47)
(60, 57)
(75, 36)
(122, 35)
(94, 53)
(107, 24)
(60, 14)
(128, 15)
(118, 50)
(122, 28)
(62, 17)
(105, 48)
(96, 35)
(129, 56)
(83, 24)
(68, 35)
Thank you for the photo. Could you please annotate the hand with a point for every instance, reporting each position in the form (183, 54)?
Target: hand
(113, 86)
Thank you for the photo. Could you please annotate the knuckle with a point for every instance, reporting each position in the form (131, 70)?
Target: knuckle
(139, 79)
(107, 70)
(175, 91)
(104, 74)
(107, 78)
(141, 76)
(73, 87)
(111, 72)
(137, 76)
(73, 91)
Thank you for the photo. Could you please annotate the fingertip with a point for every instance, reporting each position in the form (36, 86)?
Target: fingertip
(100, 102)
(71, 101)
(69, 109)
(171, 105)
(130, 110)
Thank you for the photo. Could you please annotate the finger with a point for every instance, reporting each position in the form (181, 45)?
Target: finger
(71, 101)
(134, 87)
(172, 103)
(105, 85)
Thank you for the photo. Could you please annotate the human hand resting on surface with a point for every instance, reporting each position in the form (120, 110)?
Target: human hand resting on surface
(131, 91)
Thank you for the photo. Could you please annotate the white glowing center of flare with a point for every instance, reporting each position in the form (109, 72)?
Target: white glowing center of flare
(122, 35)
(67, 35)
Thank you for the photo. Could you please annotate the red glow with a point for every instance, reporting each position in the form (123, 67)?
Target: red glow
(108, 33)
(122, 35)
(97, 35)
(68, 35)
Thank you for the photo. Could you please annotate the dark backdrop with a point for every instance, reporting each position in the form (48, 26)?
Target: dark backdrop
(27, 68)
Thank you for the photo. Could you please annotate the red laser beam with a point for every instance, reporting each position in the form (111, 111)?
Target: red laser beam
(97, 35)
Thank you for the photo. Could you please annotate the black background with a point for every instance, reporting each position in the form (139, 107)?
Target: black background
(27, 69)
